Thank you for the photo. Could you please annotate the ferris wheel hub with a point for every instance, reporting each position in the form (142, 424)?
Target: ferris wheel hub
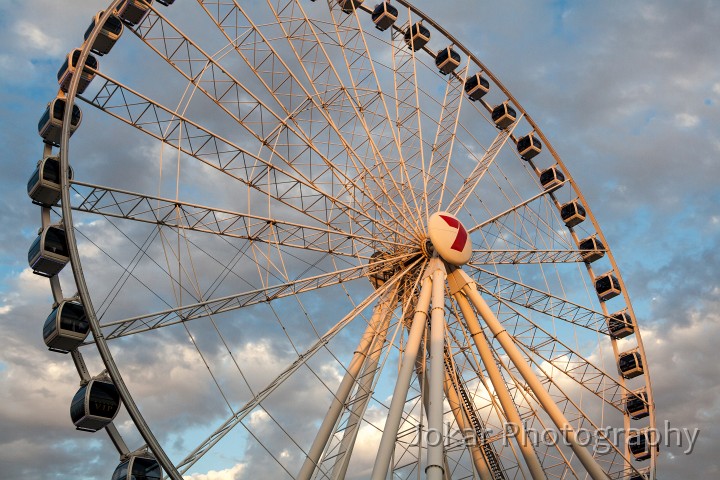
(449, 238)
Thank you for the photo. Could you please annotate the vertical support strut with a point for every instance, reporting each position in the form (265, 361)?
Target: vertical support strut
(346, 386)
(498, 383)
(469, 288)
(392, 423)
(361, 400)
(436, 442)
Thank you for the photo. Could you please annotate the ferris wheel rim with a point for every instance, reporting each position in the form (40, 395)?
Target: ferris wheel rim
(67, 208)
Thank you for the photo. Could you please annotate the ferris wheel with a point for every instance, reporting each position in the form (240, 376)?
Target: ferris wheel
(322, 240)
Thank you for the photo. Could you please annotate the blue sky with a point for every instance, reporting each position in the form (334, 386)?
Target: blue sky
(629, 95)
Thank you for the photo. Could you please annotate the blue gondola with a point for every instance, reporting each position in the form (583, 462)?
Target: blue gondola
(95, 405)
(51, 123)
(44, 184)
(630, 364)
(384, 15)
(639, 445)
(572, 213)
(108, 35)
(133, 11)
(591, 249)
(417, 36)
(138, 466)
(636, 404)
(68, 69)
(620, 325)
(503, 115)
(476, 87)
(607, 286)
(49, 252)
(529, 147)
(66, 327)
(447, 60)
(551, 178)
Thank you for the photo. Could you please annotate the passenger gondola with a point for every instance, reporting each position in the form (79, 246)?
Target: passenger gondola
(476, 87)
(417, 36)
(66, 72)
(44, 184)
(133, 11)
(529, 146)
(384, 15)
(620, 325)
(572, 213)
(640, 475)
(66, 327)
(503, 115)
(447, 60)
(348, 6)
(167, 3)
(607, 286)
(138, 466)
(630, 364)
(108, 35)
(379, 272)
(636, 404)
(639, 445)
(551, 179)
(95, 405)
(51, 123)
(49, 252)
(591, 249)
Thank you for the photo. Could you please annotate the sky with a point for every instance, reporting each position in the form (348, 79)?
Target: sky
(628, 93)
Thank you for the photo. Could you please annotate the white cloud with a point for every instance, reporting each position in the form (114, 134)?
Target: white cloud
(232, 473)
(686, 120)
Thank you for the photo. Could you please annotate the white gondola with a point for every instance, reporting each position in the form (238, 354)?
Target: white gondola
(630, 364)
(49, 252)
(133, 11)
(572, 213)
(51, 123)
(503, 115)
(417, 36)
(636, 404)
(95, 405)
(66, 327)
(591, 249)
(607, 286)
(551, 179)
(348, 6)
(529, 146)
(384, 15)
(447, 60)
(44, 184)
(639, 444)
(68, 69)
(476, 87)
(620, 325)
(108, 35)
(138, 466)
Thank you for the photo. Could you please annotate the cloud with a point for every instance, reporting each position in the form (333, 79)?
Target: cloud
(686, 120)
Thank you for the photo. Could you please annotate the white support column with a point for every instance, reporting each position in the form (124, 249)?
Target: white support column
(436, 440)
(360, 405)
(392, 423)
(511, 413)
(343, 391)
(516, 357)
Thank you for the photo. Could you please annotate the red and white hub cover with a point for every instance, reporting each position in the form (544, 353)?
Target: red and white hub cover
(450, 239)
